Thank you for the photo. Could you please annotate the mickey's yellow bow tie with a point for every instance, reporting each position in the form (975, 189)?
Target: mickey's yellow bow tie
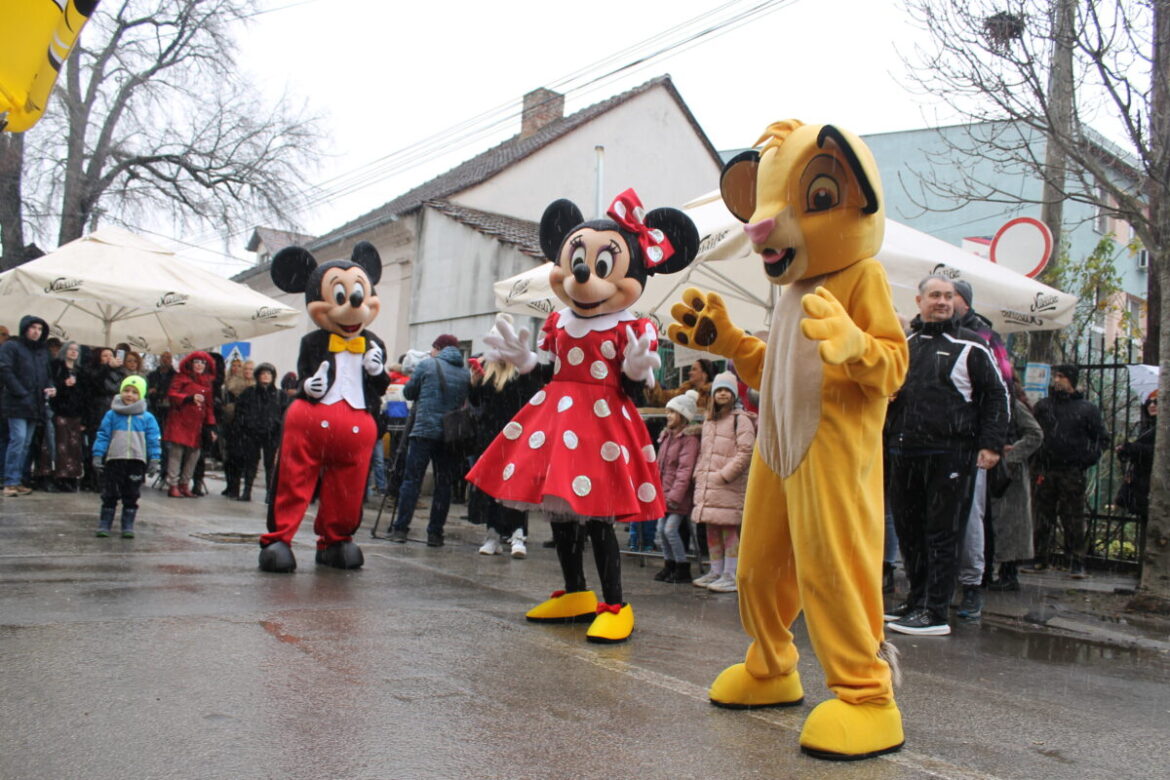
(338, 344)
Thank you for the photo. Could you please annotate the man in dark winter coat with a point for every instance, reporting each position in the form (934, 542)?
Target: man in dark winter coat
(1074, 438)
(27, 387)
(259, 416)
(949, 418)
(432, 403)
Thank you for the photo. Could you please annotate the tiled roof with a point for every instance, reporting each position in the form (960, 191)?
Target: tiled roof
(483, 166)
(276, 240)
(520, 233)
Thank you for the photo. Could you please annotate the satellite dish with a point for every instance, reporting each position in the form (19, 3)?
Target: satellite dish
(1024, 245)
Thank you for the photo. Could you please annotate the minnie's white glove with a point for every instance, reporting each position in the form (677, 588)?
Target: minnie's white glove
(372, 361)
(318, 383)
(512, 346)
(640, 361)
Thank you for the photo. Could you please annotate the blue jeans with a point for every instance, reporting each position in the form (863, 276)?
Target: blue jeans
(20, 433)
(669, 539)
(420, 452)
(378, 467)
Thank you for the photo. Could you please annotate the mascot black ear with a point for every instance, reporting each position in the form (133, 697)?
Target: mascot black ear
(365, 255)
(737, 184)
(683, 235)
(292, 267)
(559, 218)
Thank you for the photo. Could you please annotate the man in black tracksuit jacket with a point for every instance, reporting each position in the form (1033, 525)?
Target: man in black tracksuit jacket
(949, 418)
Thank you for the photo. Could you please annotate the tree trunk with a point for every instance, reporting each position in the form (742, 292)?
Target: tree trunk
(11, 200)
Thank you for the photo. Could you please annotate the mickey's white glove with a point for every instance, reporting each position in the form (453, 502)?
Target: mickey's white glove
(512, 346)
(373, 362)
(640, 361)
(318, 383)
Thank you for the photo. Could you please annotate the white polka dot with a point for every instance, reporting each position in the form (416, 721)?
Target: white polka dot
(537, 399)
(582, 485)
(657, 235)
(324, 423)
(619, 208)
(564, 403)
(649, 454)
(610, 451)
(356, 429)
(513, 430)
(625, 412)
(576, 356)
(625, 454)
(509, 470)
(654, 253)
(557, 365)
(570, 439)
(609, 350)
(598, 369)
(646, 492)
(601, 408)
(536, 440)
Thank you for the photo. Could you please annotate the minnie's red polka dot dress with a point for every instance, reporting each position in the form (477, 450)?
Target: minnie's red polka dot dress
(580, 439)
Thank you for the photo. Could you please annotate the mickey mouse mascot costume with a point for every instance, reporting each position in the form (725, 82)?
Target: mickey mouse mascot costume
(578, 449)
(329, 429)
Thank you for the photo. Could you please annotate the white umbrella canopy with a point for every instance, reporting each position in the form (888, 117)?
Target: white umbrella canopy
(112, 286)
(727, 265)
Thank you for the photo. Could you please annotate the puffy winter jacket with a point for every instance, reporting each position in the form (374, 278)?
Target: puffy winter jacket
(128, 432)
(186, 419)
(427, 393)
(678, 451)
(24, 372)
(1074, 434)
(725, 451)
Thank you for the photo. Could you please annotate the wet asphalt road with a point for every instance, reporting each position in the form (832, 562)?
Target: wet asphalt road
(171, 655)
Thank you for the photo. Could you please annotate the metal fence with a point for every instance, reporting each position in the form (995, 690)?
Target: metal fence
(1116, 538)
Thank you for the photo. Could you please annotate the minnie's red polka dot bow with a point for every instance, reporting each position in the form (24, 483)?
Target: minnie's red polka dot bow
(627, 211)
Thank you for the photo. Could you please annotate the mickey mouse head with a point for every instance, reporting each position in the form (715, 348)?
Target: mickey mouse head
(602, 265)
(339, 294)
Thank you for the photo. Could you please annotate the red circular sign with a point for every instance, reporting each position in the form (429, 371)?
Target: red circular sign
(1023, 244)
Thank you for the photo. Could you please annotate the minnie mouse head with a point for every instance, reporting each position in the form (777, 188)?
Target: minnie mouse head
(601, 265)
(339, 294)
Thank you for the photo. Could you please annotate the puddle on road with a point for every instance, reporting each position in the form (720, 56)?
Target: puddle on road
(229, 537)
(1052, 648)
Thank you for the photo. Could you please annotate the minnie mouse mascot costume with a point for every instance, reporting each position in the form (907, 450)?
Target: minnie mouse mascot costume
(578, 449)
(330, 428)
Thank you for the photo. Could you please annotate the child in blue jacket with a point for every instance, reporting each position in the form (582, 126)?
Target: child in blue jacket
(130, 443)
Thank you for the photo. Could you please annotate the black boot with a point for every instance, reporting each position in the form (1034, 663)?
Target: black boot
(1009, 577)
(128, 515)
(105, 521)
(682, 573)
(666, 572)
(341, 555)
(887, 577)
(277, 558)
(247, 494)
(971, 607)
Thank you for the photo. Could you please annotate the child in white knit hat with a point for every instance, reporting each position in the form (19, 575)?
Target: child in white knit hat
(678, 449)
(725, 451)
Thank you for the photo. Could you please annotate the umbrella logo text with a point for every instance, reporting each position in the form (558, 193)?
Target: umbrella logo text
(230, 333)
(63, 284)
(1045, 302)
(942, 269)
(169, 299)
(139, 343)
(266, 313)
(1021, 317)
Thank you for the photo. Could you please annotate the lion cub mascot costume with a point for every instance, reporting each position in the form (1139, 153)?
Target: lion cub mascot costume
(813, 519)
(329, 429)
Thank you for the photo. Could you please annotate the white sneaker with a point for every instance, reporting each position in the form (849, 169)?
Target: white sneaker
(519, 549)
(725, 584)
(705, 580)
(491, 545)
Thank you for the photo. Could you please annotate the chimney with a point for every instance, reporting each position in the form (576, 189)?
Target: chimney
(541, 107)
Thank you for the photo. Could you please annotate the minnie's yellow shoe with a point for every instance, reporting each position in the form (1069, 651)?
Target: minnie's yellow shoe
(838, 731)
(613, 624)
(576, 607)
(736, 689)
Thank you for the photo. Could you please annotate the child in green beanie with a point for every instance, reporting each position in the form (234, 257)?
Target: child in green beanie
(130, 443)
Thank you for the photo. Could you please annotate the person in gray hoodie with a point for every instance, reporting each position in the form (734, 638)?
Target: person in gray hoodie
(434, 395)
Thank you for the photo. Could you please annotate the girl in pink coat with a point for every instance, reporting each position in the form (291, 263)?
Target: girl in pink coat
(721, 481)
(678, 449)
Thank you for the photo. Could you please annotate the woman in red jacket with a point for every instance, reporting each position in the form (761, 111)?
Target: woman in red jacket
(192, 400)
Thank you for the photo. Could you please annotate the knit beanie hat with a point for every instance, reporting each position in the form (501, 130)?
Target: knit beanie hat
(725, 381)
(1070, 371)
(445, 340)
(963, 288)
(687, 405)
(138, 382)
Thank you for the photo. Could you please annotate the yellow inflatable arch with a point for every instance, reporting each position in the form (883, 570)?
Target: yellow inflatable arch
(36, 37)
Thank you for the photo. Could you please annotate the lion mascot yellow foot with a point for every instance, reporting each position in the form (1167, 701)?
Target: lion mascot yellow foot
(839, 731)
(735, 688)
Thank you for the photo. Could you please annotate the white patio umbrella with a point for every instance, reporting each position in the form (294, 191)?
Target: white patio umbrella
(113, 286)
(727, 265)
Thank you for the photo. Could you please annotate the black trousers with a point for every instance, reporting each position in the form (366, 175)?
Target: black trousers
(930, 496)
(1059, 498)
(122, 479)
(252, 455)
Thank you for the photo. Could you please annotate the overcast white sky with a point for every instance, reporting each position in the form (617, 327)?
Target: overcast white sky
(388, 74)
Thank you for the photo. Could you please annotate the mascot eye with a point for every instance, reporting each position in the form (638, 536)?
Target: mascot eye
(604, 263)
(578, 255)
(339, 293)
(823, 194)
